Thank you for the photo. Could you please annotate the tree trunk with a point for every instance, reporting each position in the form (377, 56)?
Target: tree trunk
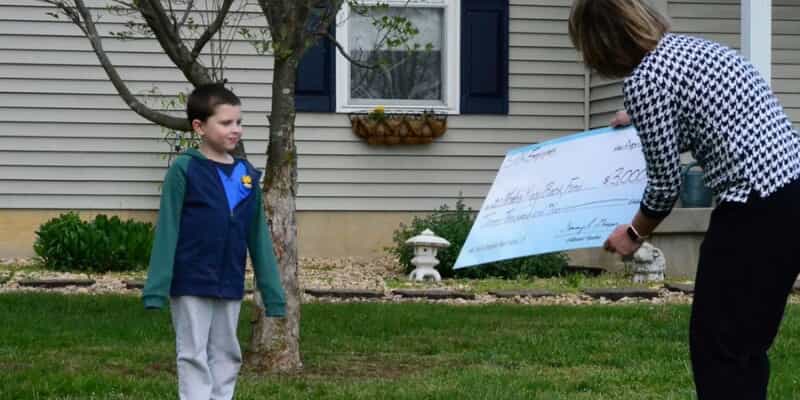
(274, 345)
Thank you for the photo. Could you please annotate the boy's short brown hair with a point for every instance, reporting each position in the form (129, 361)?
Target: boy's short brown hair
(204, 99)
(614, 35)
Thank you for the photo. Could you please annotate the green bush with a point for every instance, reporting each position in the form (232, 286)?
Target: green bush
(454, 225)
(67, 243)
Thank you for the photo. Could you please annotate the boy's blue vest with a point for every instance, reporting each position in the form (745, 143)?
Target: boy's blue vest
(211, 251)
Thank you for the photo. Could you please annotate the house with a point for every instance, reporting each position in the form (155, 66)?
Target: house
(509, 77)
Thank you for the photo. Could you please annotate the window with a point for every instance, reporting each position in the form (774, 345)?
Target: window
(464, 70)
(424, 78)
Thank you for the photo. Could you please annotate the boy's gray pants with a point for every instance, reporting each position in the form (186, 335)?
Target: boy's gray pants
(208, 350)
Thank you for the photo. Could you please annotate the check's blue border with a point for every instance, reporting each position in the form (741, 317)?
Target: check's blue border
(567, 138)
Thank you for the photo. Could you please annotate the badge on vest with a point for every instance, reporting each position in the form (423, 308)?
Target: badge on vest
(247, 181)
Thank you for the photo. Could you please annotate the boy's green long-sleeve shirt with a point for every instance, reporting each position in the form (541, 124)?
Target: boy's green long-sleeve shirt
(201, 232)
(162, 257)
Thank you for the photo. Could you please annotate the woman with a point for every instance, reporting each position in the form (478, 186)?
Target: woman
(688, 94)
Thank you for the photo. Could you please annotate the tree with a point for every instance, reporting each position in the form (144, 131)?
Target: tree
(293, 27)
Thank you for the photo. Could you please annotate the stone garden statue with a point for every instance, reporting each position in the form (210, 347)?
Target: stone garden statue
(426, 246)
(648, 264)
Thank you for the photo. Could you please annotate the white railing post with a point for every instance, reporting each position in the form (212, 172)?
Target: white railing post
(757, 35)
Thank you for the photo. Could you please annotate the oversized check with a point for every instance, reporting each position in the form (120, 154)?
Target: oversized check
(563, 194)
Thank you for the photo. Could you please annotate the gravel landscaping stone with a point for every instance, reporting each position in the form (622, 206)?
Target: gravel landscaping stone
(435, 294)
(356, 279)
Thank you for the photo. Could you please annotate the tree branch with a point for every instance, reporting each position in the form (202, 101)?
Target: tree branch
(302, 13)
(212, 29)
(156, 17)
(172, 17)
(70, 12)
(277, 14)
(170, 40)
(331, 9)
(344, 53)
(81, 16)
(125, 4)
(185, 17)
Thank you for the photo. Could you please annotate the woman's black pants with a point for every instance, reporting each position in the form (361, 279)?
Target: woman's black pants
(749, 261)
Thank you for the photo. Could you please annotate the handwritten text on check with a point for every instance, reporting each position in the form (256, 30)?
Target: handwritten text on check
(564, 194)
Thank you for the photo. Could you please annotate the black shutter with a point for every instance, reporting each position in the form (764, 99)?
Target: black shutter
(315, 87)
(484, 56)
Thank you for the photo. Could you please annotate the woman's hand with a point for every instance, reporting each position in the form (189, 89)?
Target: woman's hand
(619, 242)
(621, 118)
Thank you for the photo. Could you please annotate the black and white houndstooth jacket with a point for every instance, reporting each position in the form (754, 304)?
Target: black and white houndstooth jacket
(690, 94)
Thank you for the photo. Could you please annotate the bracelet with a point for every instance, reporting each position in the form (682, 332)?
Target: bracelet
(634, 234)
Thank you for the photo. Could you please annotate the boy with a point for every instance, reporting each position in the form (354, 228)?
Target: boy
(211, 214)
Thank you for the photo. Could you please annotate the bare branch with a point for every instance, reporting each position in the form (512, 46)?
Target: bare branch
(329, 13)
(189, 6)
(212, 29)
(226, 42)
(344, 53)
(302, 14)
(159, 118)
(122, 8)
(158, 19)
(172, 15)
(238, 17)
(70, 12)
(265, 8)
(125, 4)
(274, 16)
(170, 40)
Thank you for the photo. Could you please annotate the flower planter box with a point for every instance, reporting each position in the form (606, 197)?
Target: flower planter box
(395, 129)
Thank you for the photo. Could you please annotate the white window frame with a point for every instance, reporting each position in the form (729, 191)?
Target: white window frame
(451, 71)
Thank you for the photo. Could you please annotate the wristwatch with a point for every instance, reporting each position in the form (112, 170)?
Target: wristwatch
(634, 235)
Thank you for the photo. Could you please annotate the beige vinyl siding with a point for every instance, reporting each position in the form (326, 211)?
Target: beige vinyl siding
(68, 141)
(605, 99)
(786, 56)
(719, 20)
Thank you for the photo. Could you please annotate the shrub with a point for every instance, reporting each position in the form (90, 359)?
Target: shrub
(454, 225)
(66, 243)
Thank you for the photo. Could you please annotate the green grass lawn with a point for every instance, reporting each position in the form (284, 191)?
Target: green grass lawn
(108, 347)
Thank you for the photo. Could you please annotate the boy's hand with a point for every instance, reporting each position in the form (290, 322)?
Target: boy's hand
(621, 118)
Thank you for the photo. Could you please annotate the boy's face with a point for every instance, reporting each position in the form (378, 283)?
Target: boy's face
(223, 129)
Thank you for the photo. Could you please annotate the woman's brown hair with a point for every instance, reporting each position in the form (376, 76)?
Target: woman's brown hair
(614, 35)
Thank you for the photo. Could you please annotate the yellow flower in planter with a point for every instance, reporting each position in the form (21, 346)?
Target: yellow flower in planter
(247, 181)
(377, 114)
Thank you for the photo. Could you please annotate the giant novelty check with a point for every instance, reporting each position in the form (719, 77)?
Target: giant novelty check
(563, 194)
